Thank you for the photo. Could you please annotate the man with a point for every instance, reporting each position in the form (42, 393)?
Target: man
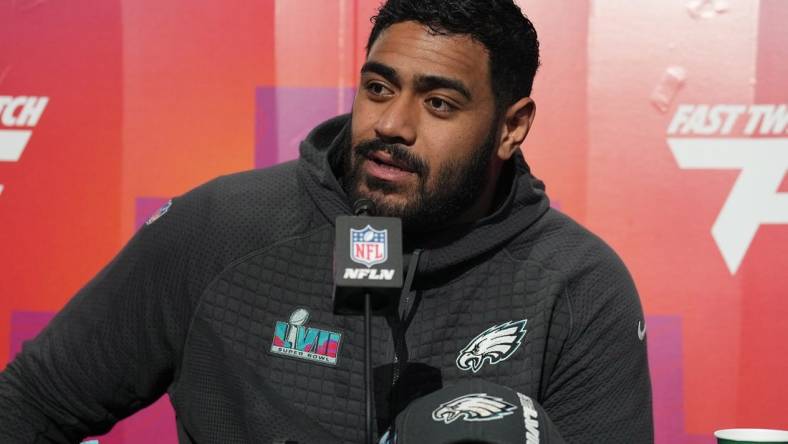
(224, 299)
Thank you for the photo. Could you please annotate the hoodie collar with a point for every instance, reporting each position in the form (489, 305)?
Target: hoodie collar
(526, 201)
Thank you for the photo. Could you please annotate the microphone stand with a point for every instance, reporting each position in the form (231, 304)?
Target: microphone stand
(368, 364)
(348, 287)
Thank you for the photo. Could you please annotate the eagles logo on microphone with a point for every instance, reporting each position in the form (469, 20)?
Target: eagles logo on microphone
(473, 407)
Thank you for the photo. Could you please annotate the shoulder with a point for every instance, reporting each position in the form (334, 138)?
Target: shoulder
(559, 243)
(233, 215)
(595, 280)
(268, 200)
(268, 186)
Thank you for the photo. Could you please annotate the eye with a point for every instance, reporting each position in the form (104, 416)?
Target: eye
(440, 105)
(377, 89)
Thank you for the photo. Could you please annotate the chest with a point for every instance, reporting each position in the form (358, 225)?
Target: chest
(266, 347)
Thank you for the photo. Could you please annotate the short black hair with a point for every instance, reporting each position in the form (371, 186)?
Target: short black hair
(499, 25)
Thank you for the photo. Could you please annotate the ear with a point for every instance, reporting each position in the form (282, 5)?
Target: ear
(517, 121)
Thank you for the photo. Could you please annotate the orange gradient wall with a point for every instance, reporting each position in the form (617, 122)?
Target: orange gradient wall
(147, 99)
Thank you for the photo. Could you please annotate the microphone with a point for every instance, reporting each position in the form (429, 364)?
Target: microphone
(364, 207)
(367, 259)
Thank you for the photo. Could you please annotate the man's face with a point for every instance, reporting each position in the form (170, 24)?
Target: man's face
(423, 127)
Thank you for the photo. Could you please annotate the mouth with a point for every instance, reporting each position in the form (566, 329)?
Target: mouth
(385, 159)
(383, 166)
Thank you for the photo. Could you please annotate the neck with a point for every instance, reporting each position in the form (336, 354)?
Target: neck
(495, 191)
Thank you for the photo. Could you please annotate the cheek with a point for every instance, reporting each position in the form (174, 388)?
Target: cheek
(457, 137)
(441, 166)
(450, 151)
(448, 145)
(362, 122)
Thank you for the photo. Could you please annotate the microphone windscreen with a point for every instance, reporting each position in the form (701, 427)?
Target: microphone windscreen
(364, 207)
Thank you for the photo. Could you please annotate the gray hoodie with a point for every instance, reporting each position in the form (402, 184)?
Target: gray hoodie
(224, 302)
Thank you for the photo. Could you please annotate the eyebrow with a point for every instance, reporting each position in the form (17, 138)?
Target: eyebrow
(382, 70)
(429, 82)
(423, 83)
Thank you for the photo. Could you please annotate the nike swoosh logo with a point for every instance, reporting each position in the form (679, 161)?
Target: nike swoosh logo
(641, 332)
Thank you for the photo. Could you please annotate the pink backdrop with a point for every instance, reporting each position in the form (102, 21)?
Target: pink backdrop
(662, 126)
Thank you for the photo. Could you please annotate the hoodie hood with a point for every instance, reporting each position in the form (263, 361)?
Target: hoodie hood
(525, 202)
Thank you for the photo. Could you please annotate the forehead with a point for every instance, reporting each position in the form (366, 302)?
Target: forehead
(411, 49)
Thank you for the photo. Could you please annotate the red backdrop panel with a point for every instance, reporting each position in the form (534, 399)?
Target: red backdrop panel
(60, 205)
(147, 99)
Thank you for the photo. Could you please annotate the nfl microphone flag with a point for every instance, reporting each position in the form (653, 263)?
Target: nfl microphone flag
(367, 257)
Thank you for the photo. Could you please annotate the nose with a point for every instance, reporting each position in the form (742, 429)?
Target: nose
(397, 122)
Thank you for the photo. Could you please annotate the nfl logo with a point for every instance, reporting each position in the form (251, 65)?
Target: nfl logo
(368, 246)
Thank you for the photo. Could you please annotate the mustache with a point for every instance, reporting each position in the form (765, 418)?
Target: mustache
(399, 154)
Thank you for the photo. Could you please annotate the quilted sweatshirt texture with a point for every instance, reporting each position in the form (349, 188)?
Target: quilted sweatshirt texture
(193, 304)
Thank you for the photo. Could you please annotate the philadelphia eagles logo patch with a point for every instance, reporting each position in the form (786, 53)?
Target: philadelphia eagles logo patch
(493, 345)
(473, 407)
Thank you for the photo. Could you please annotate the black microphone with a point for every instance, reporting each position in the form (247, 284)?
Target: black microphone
(367, 277)
(367, 258)
(364, 207)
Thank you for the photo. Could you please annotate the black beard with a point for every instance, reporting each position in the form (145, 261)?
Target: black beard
(456, 187)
